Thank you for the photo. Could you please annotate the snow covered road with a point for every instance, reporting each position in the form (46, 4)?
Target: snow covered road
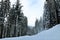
(51, 34)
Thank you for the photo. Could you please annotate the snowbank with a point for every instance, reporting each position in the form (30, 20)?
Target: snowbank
(51, 34)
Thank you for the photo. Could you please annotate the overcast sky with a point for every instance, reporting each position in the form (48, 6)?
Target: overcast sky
(32, 9)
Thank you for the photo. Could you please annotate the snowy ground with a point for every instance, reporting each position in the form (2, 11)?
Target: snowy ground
(51, 34)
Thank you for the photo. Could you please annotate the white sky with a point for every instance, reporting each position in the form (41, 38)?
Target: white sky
(32, 9)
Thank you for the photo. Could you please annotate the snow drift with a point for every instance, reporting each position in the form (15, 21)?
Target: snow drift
(51, 34)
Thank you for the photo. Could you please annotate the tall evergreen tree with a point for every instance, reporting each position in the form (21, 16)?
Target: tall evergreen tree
(12, 20)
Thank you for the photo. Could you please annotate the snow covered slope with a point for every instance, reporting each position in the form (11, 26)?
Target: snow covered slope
(51, 34)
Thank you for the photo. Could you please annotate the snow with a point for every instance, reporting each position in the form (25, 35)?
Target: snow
(51, 34)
